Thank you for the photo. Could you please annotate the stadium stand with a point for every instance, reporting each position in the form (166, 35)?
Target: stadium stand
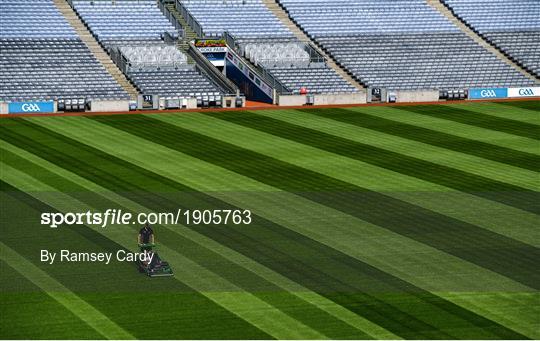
(158, 57)
(315, 80)
(511, 26)
(179, 83)
(241, 18)
(400, 44)
(42, 58)
(292, 65)
(277, 55)
(121, 21)
(162, 69)
(267, 43)
(134, 33)
(392, 44)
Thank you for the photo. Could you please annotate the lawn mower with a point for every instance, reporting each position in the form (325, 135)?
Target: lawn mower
(153, 266)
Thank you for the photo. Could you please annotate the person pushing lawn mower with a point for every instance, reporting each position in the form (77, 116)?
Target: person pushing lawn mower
(146, 238)
(153, 265)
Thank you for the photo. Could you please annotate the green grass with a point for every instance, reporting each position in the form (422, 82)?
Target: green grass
(370, 222)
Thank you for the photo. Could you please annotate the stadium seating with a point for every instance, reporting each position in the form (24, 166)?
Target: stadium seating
(289, 61)
(277, 55)
(163, 70)
(181, 83)
(114, 22)
(512, 26)
(136, 29)
(167, 75)
(315, 80)
(241, 18)
(400, 44)
(42, 58)
(267, 43)
(153, 57)
(393, 44)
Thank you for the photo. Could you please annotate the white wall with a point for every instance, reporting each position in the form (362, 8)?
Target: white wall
(416, 95)
(337, 99)
(191, 103)
(109, 106)
(291, 100)
(4, 108)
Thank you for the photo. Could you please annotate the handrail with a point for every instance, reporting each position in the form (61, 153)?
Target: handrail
(169, 15)
(190, 19)
(205, 65)
(266, 76)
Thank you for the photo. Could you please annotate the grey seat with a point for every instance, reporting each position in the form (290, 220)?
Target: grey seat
(46, 60)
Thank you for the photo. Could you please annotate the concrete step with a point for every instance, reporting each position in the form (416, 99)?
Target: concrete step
(439, 6)
(189, 34)
(282, 15)
(187, 29)
(99, 53)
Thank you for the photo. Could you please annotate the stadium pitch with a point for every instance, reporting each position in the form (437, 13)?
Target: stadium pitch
(382, 222)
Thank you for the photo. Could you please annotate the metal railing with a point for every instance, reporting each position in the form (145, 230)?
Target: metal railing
(211, 71)
(119, 59)
(125, 65)
(170, 16)
(314, 55)
(169, 39)
(266, 76)
(191, 21)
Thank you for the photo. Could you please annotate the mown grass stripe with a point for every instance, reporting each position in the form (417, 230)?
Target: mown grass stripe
(119, 285)
(244, 139)
(343, 299)
(498, 218)
(498, 109)
(79, 307)
(510, 304)
(362, 118)
(255, 249)
(403, 145)
(527, 105)
(518, 128)
(433, 229)
(446, 176)
(280, 327)
(242, 304)
(289, 303)
(459, 129)
(200, 175)
(207, 177)
(46, 170)
(25, 306)
(201, 143)
(194, 276)
(293, 136)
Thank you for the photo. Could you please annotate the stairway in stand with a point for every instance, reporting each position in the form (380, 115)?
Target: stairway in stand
(282, 15)
(439, 6)
(96, 49)
(189, 34)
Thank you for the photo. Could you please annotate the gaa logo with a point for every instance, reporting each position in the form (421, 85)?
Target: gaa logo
(488, 93)
(526, 92)
(30, 107)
